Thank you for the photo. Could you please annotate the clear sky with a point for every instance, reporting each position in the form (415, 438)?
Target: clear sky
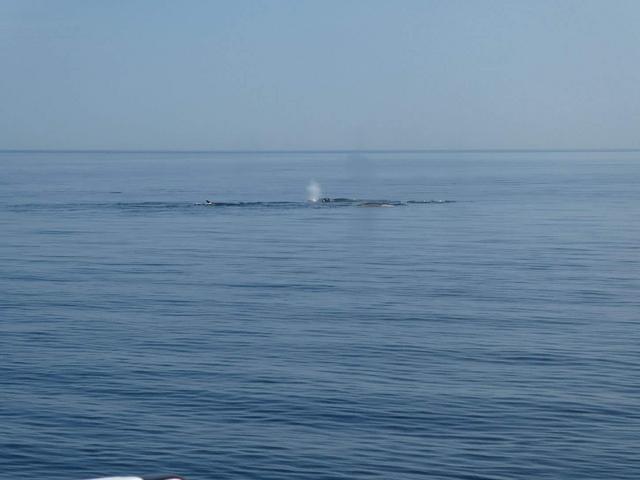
(323, 74)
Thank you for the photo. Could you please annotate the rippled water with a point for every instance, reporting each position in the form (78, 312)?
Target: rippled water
(495, 336)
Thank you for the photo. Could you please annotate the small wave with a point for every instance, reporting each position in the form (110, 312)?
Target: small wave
(79, 206)
(429, 201)
(379, 203)
(209, 203)
(339, 202)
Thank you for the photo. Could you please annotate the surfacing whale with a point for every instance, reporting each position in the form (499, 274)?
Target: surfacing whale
(325, 202)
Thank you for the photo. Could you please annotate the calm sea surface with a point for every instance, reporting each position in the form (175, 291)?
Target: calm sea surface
(493, 337)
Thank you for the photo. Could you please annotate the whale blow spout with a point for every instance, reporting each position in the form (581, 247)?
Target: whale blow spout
(313, 191)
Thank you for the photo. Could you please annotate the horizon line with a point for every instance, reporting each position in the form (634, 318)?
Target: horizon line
(326, 151)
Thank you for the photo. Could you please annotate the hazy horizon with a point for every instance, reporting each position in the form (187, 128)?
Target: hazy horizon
(314, 76)
(322, 151)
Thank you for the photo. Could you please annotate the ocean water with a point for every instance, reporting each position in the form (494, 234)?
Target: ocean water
(492, 336)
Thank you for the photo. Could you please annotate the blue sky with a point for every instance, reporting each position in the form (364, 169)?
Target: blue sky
(324, 74)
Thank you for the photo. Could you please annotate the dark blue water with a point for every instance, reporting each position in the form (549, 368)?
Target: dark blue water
(493, 337)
